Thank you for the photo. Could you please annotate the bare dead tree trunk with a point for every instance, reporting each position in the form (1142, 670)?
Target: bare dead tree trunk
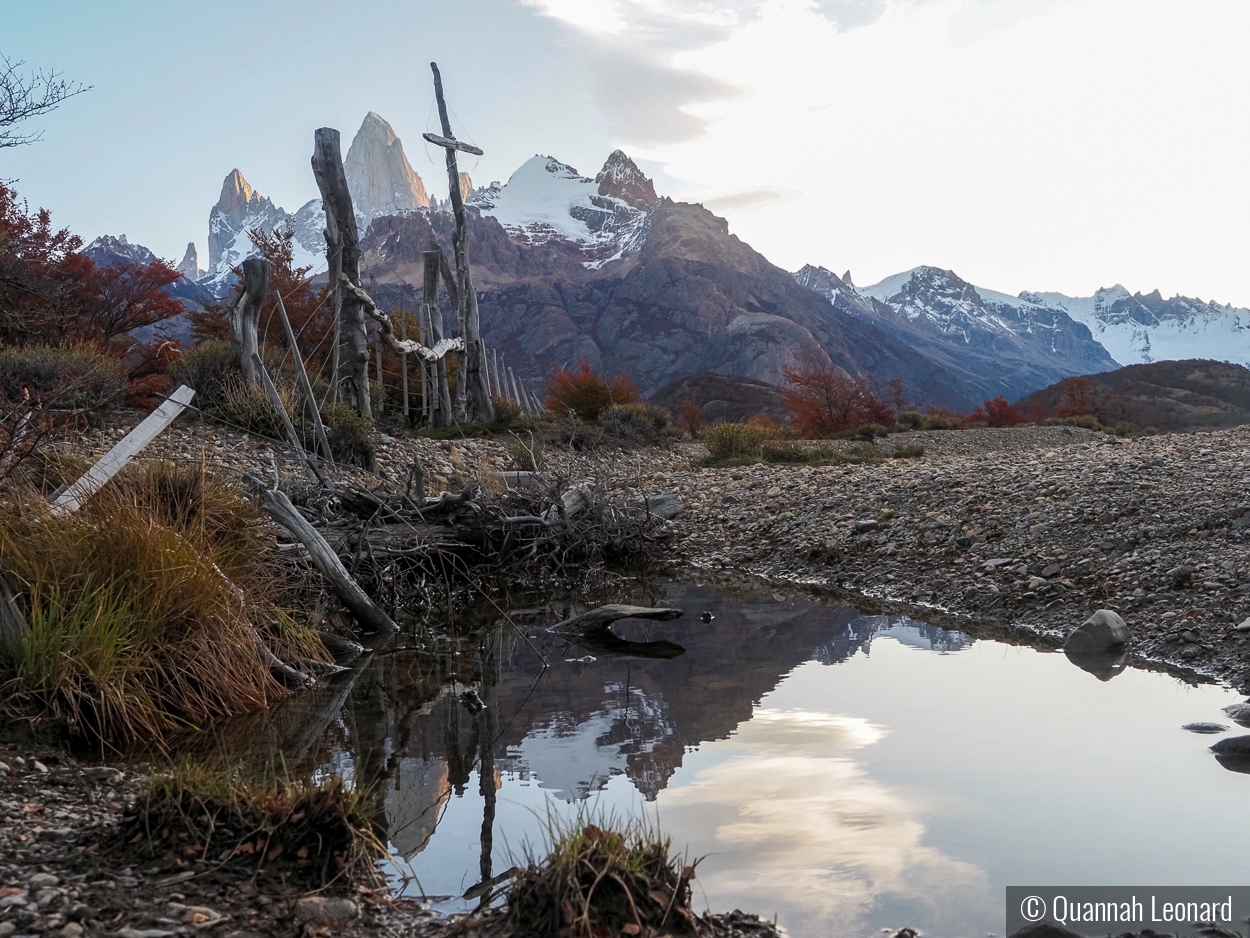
(440, 394)
(246, 313)
(343, 256)
(471, 376)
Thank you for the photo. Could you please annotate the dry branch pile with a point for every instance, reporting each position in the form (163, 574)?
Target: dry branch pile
(530, 529)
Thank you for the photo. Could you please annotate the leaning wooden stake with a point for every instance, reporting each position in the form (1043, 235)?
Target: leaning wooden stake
(327, 562)
(276, 398)
(112, 462)
(319, 429)
(440, 393)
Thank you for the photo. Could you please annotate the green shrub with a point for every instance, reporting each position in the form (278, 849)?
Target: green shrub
(910, 420)
(870, 431)
(1123, 428)
(640, 423)
(942, 422)
(1085, 421)
(351, 435)
(735, 441)
(209, 368)
(507, 411)
(77, 378)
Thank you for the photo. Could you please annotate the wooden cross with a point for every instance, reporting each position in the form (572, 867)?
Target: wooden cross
(472, 388)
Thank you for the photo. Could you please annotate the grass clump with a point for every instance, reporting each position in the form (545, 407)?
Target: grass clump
(351, 435)
(640, 422)
(210, 368)
(311, 832)
(139, 613)
(602, 879)
(250, 408)
(744, 441)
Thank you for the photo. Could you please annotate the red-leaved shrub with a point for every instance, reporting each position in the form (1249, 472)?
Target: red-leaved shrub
(996, 413)
(585, 394)
(825, 399)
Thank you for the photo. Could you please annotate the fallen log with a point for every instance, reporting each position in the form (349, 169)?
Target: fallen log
(327, 562)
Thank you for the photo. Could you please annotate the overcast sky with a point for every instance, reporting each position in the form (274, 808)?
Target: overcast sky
(1025, 144)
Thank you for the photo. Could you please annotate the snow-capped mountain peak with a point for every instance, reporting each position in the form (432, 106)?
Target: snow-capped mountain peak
(1139, 328)
(546, 199)
(622, 179)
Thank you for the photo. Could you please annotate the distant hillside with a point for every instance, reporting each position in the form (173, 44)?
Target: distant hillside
(724, 398)
(1174, 395)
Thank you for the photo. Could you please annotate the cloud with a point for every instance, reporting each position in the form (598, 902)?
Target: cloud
(850, 14)
(748, 200)
(629, 46)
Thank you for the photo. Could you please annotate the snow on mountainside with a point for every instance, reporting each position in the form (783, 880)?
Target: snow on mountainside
(241, 209)
(546, 200)
(1002, 344)
(1141, 328)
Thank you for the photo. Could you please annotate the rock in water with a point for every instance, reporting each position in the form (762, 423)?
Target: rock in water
(1098, 645)
(1233, 753)
(1205, 727)
(1102, 632)
(1239, 713)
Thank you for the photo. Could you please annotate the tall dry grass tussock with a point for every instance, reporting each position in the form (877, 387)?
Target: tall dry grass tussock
(143, 608)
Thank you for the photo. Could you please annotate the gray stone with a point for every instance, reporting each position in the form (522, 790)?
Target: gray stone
(6, 929)
(1205, 727)
(1239, 713)
(1102, 632)
(42, 881)
(322, 909)
(103, 773)
(39, 767)
(863, 527)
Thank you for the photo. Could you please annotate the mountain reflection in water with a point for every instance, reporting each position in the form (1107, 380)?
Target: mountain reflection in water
(846, 772)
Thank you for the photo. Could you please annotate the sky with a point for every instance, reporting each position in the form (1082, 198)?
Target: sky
(1059, 145)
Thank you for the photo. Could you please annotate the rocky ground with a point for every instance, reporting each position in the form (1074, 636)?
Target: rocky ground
(1020, 531)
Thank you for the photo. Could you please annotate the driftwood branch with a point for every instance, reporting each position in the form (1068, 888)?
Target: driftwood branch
(280, 509)
(451, 143)
(387, 331)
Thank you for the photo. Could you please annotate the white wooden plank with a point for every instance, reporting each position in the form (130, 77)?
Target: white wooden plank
(130, 445)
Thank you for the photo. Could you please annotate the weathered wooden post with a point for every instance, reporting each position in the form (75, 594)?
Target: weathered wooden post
(403, 358)
(471, 377)
(440, 395)
(343, 257)
(246, 313)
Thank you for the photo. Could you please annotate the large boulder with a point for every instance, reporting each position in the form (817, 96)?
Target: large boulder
(1101, 633)
(1099, 645)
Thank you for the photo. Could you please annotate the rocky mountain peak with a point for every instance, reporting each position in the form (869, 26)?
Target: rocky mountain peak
(236, 196)
(379, 176)
(107, 250)
(189, 266)
(622, 179)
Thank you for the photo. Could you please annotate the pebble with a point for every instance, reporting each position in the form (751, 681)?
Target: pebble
(323, 909)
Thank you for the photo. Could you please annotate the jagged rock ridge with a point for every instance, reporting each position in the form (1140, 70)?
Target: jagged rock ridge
(1140, 328)
(1000, 344)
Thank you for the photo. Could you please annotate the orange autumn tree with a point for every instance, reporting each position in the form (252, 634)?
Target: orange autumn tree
(997, 413)
(825, 399)
(586, 394)
(1078, 397)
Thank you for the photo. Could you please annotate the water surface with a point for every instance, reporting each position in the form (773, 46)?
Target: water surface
(846, 773)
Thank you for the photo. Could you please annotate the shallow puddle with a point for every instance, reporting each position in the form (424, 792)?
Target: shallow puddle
(841, 772)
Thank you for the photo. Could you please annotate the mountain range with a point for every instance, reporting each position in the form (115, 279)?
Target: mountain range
(603, 269)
